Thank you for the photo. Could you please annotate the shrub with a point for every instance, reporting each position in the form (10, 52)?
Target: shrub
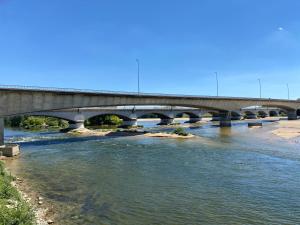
(18, 213)
(180, 131)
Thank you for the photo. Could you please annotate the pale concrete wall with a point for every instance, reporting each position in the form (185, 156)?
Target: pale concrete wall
(16, 101)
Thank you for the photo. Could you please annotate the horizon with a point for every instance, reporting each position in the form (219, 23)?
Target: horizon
(180, 46)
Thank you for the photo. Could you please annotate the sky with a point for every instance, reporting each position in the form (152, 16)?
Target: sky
(180, 44)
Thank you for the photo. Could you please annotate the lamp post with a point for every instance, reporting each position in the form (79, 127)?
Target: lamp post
(259, 82)
(138, 75)
(217, 80)
(288, 91)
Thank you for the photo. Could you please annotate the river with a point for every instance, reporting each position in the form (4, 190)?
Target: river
(224, 176)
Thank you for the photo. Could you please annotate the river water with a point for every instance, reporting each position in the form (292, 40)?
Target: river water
(224, 176)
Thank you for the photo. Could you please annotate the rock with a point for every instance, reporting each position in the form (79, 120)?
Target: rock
(50, 221)
(40, 198)
(40, 202)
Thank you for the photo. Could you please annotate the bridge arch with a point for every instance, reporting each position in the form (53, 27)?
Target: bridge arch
(165, 118)
(120, 119)
(193, 117)
(273, 113)
(250, 114)
(235, 115)
(262, 114)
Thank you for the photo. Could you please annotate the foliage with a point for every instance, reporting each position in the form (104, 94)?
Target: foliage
(111, 120)
(180, 131)
(35, 122)
(14, 121)
(13, 210)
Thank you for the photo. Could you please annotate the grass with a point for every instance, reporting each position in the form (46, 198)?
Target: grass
(13, 209)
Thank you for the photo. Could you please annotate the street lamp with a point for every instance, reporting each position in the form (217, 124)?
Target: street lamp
(259, 82)
(217, 80)
(288, 91)
(138, 74)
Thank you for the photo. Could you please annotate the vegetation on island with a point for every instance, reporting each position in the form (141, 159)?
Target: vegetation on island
(13, 209)
(36, 122)
(180, 131)
(104, 121)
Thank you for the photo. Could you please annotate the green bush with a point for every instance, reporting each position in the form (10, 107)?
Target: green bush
(33, 122)
(13, 210)
(180, 131)
(112, 120)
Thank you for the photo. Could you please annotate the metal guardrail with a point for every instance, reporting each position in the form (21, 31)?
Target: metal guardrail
(91, 91)
(37, 88)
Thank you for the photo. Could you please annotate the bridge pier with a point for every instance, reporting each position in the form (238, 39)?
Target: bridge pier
(194, 120)
(225, 119)
(76, 125)
(129, 123)
(166, 121)
(292, 115)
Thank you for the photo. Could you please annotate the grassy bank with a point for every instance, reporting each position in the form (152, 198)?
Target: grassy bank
(13, 209)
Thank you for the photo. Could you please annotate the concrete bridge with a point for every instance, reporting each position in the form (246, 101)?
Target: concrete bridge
(129, 115)
(167, 114)
(15, 100)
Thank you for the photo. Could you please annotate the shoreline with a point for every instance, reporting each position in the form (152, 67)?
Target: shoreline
(287, 129)
(43, 211)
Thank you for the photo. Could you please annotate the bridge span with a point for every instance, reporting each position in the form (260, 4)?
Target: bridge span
(16, 100)
(167, 114)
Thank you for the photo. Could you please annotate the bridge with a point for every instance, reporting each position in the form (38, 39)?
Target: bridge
(16, 100)
(167, 114)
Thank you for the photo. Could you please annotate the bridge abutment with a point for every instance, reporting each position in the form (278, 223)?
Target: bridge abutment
(225, 119)
(292, 115)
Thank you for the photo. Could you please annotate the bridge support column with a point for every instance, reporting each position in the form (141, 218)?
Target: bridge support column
(129, 123)
(225, 119)
(194, 120)
(1, 131)
(76, 125)
(292, 115)
(166, 121)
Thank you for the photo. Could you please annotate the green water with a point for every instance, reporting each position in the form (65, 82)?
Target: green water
(225, 176)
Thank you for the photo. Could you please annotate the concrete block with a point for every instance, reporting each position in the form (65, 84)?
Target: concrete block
(10, 150)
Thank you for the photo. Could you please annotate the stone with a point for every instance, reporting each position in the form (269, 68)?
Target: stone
(40, 202)
(10, 150)
(50, 221)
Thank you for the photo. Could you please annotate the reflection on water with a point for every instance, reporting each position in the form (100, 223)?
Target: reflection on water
(225, 176)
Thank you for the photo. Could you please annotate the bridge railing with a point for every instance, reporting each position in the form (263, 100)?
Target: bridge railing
(91, 91)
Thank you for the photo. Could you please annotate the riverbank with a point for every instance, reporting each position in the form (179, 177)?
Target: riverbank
(15, 205)
(287, 129)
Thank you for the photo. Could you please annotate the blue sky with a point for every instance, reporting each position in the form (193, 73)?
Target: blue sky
(180, 44)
